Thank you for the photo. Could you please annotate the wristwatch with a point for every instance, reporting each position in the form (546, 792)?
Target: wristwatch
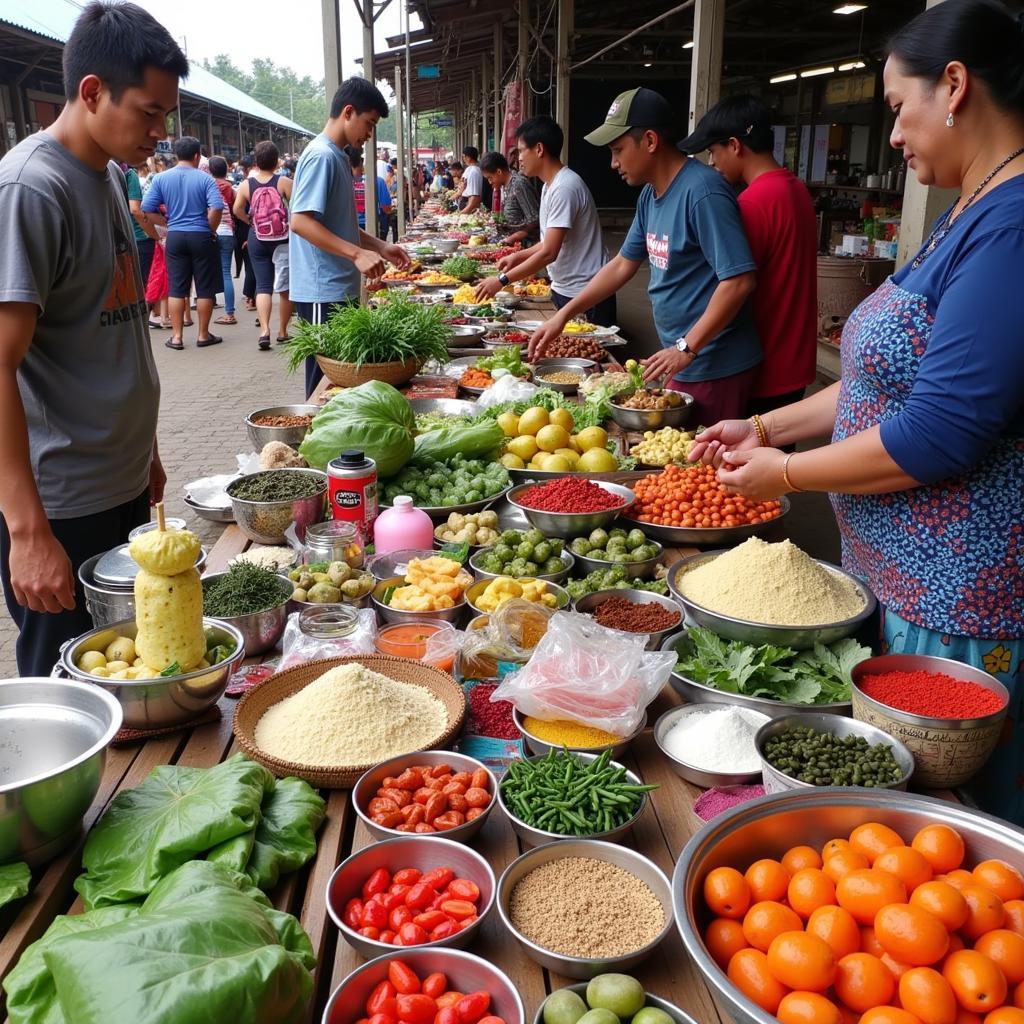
(683, 347)
(503, 278)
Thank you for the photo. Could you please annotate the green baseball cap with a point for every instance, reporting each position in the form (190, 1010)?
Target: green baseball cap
(635, 108)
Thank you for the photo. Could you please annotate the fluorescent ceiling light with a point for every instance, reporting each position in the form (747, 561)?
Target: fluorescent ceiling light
(781, 78)
(849, 8)
(648, 64)
(851, 65)
(814, 72)
(688, 46)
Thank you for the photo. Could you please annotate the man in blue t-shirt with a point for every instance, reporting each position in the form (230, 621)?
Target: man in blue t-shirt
(327, 249)
(687, 225)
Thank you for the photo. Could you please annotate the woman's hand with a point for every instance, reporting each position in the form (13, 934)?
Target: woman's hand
(725, 435)
(755, 474)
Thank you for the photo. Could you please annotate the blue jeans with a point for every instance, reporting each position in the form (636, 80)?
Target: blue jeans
(226, 245)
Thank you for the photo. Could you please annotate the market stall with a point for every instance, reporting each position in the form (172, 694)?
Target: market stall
(661, 649)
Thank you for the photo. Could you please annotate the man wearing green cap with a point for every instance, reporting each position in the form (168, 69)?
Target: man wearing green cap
(687, 225)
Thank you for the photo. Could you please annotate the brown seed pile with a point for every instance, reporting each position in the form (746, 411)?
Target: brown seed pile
(582, 907)
(283, 421)
(618, 613)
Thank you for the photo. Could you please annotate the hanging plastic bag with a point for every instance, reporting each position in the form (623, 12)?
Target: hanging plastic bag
(582, 672)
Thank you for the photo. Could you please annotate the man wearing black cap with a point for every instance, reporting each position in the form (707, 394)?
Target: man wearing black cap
(687, 226)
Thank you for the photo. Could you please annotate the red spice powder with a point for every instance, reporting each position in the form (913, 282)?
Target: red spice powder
(569, 494)
(494, 720)
(932, 694)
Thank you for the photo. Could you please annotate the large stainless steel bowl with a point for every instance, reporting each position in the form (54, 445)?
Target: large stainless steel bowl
(532, 836)
(462, 336)
(260, 630)
(465, 973)
(389, 614)
(677, 1015)
(54, 735)
(700, 693)
(629, 860)
(571, 524)
(446, 406)
(266, 521)
(366, 789)
(476, 590)
(652, 419)
(582, 368)
(778, 781)
(691, 772)
(424, 852)
(589, 604)
(170, 700)
(681, 536)
(641, 568)
(448, 245)
(769, 826)
(538, 746)
(797, 637)
(568, 560)
(292, 436)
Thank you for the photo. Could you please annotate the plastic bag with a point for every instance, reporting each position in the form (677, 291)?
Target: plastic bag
(299, 647)
(585, 673)
(510, 635)
(507, 389)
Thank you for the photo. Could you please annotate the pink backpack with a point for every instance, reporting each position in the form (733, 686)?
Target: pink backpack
(268, 213)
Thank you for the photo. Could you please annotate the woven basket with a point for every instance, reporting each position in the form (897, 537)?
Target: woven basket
(256, 702)
(348, 375)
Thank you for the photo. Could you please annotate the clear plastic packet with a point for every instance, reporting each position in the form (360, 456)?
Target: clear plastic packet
(506, 389)
(507, 636)
(585, 673)
(328, 631)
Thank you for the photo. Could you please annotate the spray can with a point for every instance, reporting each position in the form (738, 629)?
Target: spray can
(352, 487)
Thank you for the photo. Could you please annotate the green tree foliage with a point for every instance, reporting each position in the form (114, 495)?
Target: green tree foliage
(301, 99)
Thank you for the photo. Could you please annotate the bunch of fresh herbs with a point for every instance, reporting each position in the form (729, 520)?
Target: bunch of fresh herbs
(461, 267)
(244, 589)
(276, 485)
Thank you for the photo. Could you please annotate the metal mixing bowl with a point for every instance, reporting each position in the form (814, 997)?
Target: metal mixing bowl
(797, 637)
(462, 335)
(643, 569)
(424, 852)
(572, 524)
(260, 630)
(677, 1015)
(388, 614)
(396, 563)
(465, 973)
(448, 245)
(54, 735)
(475, 591)
(581, 367)
(266, 521)
(629, 860)
(169, 700)
(532, 836)
(539, 746)
(698, 776)
(777, 781)
(589, 604)
(652, 419)
(366, 789)
(556, 577)
(445, 406)
(769, 826)
(292, 436)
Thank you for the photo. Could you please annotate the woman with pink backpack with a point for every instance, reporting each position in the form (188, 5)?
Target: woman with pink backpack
(262, 203)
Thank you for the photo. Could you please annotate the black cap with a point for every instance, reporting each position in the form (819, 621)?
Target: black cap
(635, 108)
(743, 118)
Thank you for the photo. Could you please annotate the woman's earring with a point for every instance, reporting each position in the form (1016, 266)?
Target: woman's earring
(949, 120)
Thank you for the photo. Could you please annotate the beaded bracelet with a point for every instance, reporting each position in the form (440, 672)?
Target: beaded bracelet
(762, 434)
(785, 474)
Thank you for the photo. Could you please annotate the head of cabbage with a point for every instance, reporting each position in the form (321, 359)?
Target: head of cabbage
(373, 418)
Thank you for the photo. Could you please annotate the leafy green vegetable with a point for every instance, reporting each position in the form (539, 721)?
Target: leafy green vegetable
(473, 440)
(460, 266)
(14, 882)
(172, 670)
(205, 945)
(821, 676)
(585, 415)
(395, 331)
(373, 418)
(508, 358)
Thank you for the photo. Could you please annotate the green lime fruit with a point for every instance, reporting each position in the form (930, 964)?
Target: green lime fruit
(564, 1007)
(619, 993)
(652, 1015)
(599, 1016)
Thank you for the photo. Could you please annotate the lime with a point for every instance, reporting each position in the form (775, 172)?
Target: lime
(652, 1015)
(621, 994)
(598, 1016)
(563, 1007)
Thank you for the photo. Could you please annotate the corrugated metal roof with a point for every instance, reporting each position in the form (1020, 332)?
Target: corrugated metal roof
(54, 19)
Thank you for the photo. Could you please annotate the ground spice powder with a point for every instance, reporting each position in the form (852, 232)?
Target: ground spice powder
(582, 907)
(777, 584)
(568, 734)
(931, 694)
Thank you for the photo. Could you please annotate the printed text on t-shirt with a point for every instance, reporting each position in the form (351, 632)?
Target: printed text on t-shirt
(657, 250)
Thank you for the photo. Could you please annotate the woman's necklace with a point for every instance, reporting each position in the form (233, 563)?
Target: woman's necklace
(940, 232)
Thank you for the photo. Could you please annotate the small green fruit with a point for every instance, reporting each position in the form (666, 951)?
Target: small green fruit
(563, 1007)
(599, 1016)
(620, 993)
(652, 1015)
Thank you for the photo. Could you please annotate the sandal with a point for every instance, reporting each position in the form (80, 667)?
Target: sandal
(211, 340)
(186, 323)
(176, 345)
(284, 340)
(264, 342)
(157, 325)
(166, 325)
(227, 318)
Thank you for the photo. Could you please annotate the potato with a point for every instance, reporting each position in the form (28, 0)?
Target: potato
(123, 674)
(122, 649)
(92, 660)
(138, 663)
(101, 672)
(117, 666)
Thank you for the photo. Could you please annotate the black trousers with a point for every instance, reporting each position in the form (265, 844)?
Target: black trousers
(40, 634)
(603, 314)
(146, 246)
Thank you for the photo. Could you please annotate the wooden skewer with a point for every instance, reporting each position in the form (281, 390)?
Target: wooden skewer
(161, 525)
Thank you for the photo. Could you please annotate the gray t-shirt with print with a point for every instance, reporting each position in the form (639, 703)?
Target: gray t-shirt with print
(566, 202)
(88, 381)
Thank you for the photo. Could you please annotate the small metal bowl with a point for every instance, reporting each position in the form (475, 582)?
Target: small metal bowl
(260, 630)
(588, 605)
(266, 521)
(673, 1011)
(568, 560)
(698, 776)
(641, 569)
(541, 747)
(446, 406)
(797, 637)
(292, 436)
(464, 971)
(777, 781)
(389, 614)
(621, 856)
(652, 419)
(446, 245)
(571, 524)
(424, 852)
(584, 366)
(463, 335)
(395, 563)
(366, 789)
(474, 592)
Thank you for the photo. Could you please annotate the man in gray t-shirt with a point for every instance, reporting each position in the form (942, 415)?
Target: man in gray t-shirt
(78, 384)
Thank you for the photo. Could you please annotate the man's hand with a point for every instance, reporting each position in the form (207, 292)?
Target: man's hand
(487, 289)
(370, 264)
(398, 256)
(665, 365)
(41, 575)
(512, 260)
(157, 479)
(543, 336)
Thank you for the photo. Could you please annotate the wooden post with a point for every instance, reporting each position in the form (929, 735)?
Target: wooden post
(523, 53)
(565, 20)
(331, 18)
(400, 145)
(499, 74)
(209, 129)
(706, 67)
(485, 102)
(365, 9)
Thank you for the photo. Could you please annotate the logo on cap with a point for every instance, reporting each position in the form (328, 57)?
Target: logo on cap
(613, 109)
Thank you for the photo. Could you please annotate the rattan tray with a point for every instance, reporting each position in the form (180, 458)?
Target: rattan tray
(256, 702)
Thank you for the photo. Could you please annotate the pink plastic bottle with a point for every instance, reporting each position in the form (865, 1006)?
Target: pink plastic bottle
(402, 527)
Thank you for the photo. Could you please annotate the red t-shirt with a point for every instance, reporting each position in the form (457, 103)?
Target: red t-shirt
(782, 229)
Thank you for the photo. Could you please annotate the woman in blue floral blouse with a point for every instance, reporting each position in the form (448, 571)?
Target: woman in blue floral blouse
(926, 464)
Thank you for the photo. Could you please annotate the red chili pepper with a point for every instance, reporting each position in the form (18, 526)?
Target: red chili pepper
(403, 977)
(931, 694)
(569, 494)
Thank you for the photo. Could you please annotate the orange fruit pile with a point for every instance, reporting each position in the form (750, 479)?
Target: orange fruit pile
(869, 930)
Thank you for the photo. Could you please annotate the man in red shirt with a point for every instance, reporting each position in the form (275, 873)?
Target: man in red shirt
(782, 229)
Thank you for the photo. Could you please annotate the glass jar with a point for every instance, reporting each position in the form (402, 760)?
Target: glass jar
(334, 541)
(329, 621)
